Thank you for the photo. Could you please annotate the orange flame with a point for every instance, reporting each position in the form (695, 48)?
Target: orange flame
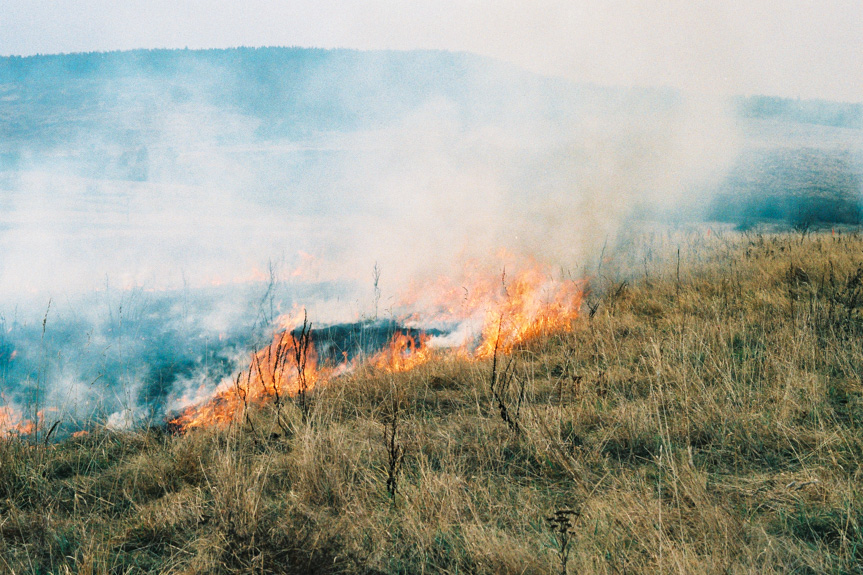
(403, 353)
(508, 312)
(273, 372)
(12, 422)
(531, 306)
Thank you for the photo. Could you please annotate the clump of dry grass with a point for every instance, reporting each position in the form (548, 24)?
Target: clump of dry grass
(705, 419)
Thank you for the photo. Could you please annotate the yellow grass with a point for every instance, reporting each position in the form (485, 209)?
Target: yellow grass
(711, 424)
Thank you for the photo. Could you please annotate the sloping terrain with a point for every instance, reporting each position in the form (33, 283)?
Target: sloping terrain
(703, 415)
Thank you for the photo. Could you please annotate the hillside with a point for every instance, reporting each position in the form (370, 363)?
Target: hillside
(799, 186)
(160, 210)
(679, 396)
(150, 116)
(702, 415)
(51, 102)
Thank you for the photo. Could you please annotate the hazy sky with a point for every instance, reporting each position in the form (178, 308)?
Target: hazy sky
(790, 48)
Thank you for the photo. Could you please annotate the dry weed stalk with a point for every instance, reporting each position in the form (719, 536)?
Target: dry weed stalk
(499, 384)
(562, 525)
(243, 394)
(376, 277)
(300, 346)
(395, 451)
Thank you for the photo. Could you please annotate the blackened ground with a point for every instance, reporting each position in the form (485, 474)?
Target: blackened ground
(132, 351)
(335, 343)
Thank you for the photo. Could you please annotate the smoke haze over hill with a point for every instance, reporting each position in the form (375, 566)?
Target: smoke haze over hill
(172, 204)
(203, 166)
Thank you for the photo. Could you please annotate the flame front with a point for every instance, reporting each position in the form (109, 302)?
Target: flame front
(501, 312)
(530, 306)
(277, 371)
(403, 353)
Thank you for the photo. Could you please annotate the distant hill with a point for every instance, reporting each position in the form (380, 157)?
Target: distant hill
(802, 165)
(140, 115)
(799, 186)
(821, 112)
(295, 92)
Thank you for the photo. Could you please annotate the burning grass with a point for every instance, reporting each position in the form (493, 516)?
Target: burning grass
(702, 420)
(503, 315)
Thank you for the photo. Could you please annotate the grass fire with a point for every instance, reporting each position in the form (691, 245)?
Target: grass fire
(703, 414)
(331, 311)
(505, 314)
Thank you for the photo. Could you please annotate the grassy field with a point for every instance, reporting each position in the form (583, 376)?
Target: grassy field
(797, 186)
(704, 415)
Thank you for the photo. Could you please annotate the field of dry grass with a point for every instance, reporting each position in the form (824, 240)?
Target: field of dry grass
(704, 415)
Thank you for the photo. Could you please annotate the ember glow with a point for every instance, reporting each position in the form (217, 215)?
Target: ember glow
(403, 353)
(12, 422)
(487, 314)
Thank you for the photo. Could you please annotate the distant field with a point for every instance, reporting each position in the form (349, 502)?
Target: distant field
(798, 186)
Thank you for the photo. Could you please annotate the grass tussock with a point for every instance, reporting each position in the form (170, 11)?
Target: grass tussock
(705, 415)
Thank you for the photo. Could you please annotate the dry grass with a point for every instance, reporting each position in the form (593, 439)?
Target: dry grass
(711, 424)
